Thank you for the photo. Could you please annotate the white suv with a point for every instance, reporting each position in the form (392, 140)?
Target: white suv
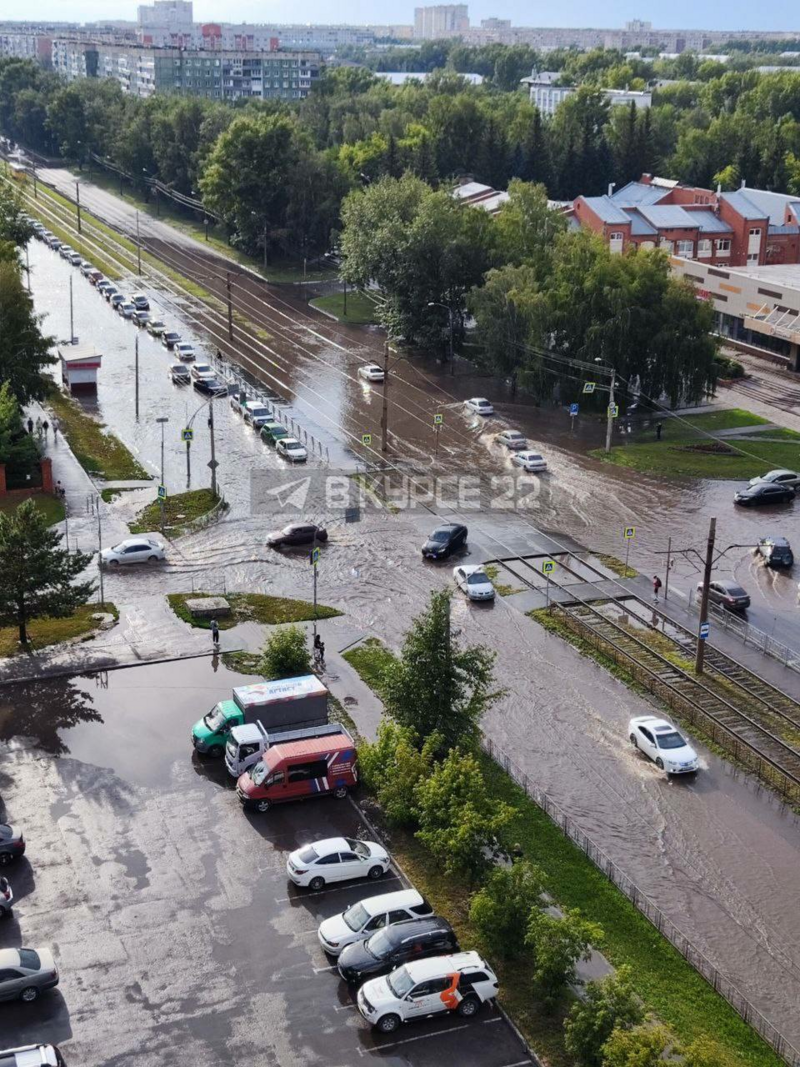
(366, 916)
(418, 990)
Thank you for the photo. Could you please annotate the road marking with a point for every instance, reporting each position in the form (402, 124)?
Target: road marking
(408, 1040)
(322, 970)
(333, 889)
(519, 1063)
(346, 1007)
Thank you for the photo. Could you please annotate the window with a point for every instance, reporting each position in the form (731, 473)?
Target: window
(755, 232)
(275, 779)
(328, 860)
(648, 735)
(686, 248)
(376, 923)
(615, 236)
(302, 772)
(704, 247)
(752, 257)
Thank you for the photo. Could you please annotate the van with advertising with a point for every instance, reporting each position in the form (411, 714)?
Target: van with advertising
(300, 769)
(288, 704)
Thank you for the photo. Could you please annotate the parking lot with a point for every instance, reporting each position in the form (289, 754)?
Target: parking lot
(175, 928)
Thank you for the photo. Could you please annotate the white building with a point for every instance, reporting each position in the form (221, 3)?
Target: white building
(175, 15)
(546, 95)
(440, 20)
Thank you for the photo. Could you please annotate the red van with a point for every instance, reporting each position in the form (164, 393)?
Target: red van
(300, 769)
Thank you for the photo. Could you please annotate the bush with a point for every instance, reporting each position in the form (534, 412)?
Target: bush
(728, 368)
(285, 654)
(393, 766)
(644, 1046)
(609, 1005)
(705, 1053)
(501, 909)
(557, 945)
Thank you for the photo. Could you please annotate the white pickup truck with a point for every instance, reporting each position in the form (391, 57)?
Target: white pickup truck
(248, 743)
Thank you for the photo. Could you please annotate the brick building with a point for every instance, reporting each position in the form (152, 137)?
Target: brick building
(749, 227)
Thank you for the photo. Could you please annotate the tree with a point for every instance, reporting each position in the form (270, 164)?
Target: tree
(13, 227)
(609, 1004)
(285, 654)
(501, 909)
(18, 449)
(458, 821)
(625, 143)
(393, 766)
(37, 577)
(704, 1052)
(507, 311)
(436, 686)
(643, 1046)
(24, 352)
(557, 944)
(526, 228)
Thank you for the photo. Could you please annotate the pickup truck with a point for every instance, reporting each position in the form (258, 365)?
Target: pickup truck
(247, 744)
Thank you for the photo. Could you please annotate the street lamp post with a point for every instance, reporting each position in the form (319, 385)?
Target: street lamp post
(611, 404)
(78, 204)
(449, 310)
(138, 248)
(163, 420)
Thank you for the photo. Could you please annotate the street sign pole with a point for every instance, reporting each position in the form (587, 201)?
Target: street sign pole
(136, 369)
(669, 564)
(163, 420)
(628, 533)
(438, 419)
(627, 554)
(385, 410)
(314, 562)
(611, 411)
(213, 461)
(703, 625)
(547, 567)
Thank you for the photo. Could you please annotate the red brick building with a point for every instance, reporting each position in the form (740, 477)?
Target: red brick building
(747, 227)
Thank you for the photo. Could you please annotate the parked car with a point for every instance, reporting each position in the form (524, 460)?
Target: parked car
(184, 351)
(444, 540)
(169, 338)
(141, 302)
(31, 1056)
(12, 844)
(272, 432)
(291, 449)
(6, 904)
(777, 551)
(727, 594)
(336, 859)
(474, 581)
(479, 405)
(104, 285)
(26, 972)
(371, 372)
(202, 370)
(53, 242)
(663, 744)
(297, 533)
(460, 983)
(210, 386)
(116, 299)
(529, 461)
(764, 493)
(156, 327)
(74, 258)
(86, 267)
(65, 251)
(95, 276)
(126, 309)
(414, 939)
(781, 476)
(141, 318)
(513, 440)
(179, 374)
(133, 550)
(366, 917)
(256, 414)
(110, 292)
(238, 401)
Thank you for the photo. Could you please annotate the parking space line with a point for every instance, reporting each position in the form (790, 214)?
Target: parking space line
(519, 1063)
(333, 889)
(346, 1007)
(324, 970)
(408, 1040)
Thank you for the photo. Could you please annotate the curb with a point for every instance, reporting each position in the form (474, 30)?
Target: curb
(66, 671)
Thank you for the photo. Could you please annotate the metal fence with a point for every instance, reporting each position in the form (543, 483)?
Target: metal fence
(750, 635)
(651, 912)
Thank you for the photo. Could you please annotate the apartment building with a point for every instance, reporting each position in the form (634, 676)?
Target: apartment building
(441, 20)
(745, 228)
(34, 46)
(546, 94)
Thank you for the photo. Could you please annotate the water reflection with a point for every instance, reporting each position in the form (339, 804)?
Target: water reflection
(42, 709)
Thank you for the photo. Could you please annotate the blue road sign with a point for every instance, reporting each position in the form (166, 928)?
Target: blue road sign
(588, 387)
(314, 557)
(548, 566)
(162, 492)
(705, 629)
(573, 409)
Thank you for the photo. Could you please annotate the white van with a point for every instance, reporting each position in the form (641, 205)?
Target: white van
(364, 918)
(256, 413)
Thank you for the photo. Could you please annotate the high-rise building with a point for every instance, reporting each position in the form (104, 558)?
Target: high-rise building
(442, 20)
(175, 15)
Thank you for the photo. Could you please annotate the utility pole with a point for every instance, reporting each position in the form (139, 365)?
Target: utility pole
(385, 411)
(230, 304)
(163, 420)
(213, 461)
(138, 247)
(136, 372)
(701, 644)
(610, 417)
(71, 314)
(265, 246)
(97, 501)
(78, 204)
(28, 265)
(669, 564)
(452, 344)
(205, 223)
(345, 297)
(35, 186)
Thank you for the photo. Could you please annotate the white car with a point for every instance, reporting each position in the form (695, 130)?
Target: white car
(291, 449)
(156, 327)
(31, 1056)
(529, 461)
(663, 744)
(337, 859)
(126, 309)
(362, 919)
(459, 983)
(74, 258)
(202, 370)
(474, 581)
(480, 406)
(779, 477)
(256, 413)
(513, 440)
(371, 372)
(184, 351)
(133, 550)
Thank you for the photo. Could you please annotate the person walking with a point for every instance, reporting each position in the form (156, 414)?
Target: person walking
(656, 588)
(38, 427)
(659, 428)
(45, 426)
(215, 633)
(30, 425)
(55, 427)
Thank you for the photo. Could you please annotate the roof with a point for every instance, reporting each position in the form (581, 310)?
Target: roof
(470, 189)
(545, 77)
(79, 354)
(784, 229)
(492, 203)
(437, 966)
(640, 227)
(326, 745)
(247, 696)
(386, 901)
(709, 222)
(771, 204)
(745, 205)
(635, 193)
(605, 209)
(668, 217)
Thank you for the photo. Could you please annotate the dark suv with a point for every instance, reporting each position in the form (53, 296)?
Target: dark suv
(297, 533)
(444, 540)
(395, 945)
(777, 551)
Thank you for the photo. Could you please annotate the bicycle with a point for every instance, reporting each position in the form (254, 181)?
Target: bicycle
(319, 658)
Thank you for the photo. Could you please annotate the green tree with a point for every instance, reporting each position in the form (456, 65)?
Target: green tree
(37, 576)
(12, 226)
(393, 766)
(705, 1052)
(643, 1046)
(609, 1004)
(508, 310)
(501, 909)
(458, 820)
(557, 944)
(285, 654)
(18, 449)
(526, 228)
(24, 351)
(437, 686)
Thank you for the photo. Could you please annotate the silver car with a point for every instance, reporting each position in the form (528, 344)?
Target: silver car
(26, 972)
(28, 1055)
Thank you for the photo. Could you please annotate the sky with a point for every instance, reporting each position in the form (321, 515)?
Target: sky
(679, 14)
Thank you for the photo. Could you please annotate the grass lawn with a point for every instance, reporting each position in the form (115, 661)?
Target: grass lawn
(53, 508)
(97, 451)
(667, 983)
(616, 565)
(361, 310)
(252, 607)
(179, 510)
(45, 632)
(684, 453)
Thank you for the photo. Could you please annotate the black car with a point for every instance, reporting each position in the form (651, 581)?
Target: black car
(209, 386)
(444, 540)
(12, 844)
(395, 945)
(297, 533)
(777, 551)
(764, 493)
(727, 594)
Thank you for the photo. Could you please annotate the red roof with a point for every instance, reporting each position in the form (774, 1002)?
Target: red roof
(310, 746)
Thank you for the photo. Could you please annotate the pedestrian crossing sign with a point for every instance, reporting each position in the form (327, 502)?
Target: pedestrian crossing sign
(438, 420)
(629, 533)
(588, 387)
(314, 557)
(548, 566)
(613, 410)
(187, 434)
(366, 439)
(162, 492)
